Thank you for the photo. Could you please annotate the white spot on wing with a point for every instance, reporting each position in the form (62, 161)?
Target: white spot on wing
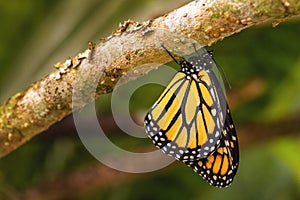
(213, 112)
(213, 93)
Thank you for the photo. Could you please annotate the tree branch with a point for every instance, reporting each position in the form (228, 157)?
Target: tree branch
(49, 100)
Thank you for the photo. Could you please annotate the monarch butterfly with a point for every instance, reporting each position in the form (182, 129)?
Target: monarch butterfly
(191, 121)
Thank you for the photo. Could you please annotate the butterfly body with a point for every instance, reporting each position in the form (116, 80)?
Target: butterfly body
(191, 121)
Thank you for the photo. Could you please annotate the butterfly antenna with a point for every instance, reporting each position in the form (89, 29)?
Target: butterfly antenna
(176, 61)
(224, 74)
(218, 66)
(195, 49)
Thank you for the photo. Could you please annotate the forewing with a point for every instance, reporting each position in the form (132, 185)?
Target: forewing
(184, 122)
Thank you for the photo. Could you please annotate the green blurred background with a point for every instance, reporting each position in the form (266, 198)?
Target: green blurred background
(262, 65)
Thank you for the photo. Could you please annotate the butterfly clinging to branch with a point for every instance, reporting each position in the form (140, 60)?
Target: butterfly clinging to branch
(191, 121)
